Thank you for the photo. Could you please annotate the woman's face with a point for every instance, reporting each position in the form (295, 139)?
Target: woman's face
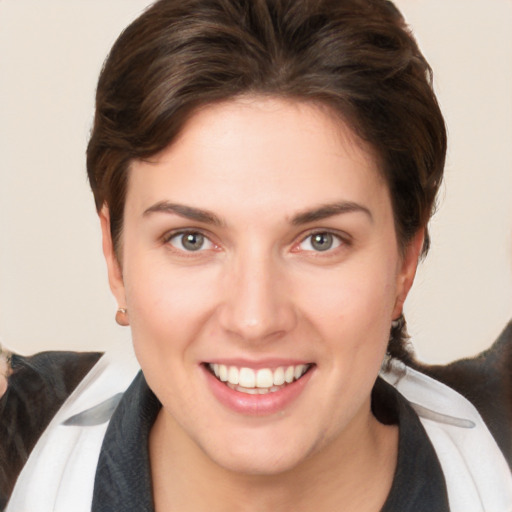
(261, 247)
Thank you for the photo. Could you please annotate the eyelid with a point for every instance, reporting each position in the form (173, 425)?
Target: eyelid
(169, 235)
(344, 239)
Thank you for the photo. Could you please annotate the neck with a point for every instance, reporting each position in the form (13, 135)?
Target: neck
(353, 473)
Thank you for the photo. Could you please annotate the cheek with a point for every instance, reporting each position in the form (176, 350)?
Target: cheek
(352, 293)
(167, 306)
(352, 306)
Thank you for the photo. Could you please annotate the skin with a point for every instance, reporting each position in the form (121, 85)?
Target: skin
(5, 371)
(259, 289)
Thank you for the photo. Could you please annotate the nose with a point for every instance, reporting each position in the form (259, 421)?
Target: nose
(257, 306)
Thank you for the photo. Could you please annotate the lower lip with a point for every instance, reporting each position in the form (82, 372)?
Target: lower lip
(256, 405)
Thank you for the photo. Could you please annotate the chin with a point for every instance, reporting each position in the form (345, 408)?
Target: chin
(276, 454)
(260, 464)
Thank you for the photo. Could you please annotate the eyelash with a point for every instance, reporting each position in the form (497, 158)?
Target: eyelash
(179, 235)
(337, 239)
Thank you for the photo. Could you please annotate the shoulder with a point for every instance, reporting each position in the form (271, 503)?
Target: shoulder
(474, 467)
(34, 388)
(486, 381)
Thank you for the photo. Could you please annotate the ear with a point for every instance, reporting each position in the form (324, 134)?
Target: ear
(407, 271)
(115, 274)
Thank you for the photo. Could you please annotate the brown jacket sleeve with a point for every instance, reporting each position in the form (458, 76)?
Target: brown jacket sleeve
(36, 388)
(486, 381)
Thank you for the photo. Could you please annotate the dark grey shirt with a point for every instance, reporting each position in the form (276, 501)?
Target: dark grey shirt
(123, 476)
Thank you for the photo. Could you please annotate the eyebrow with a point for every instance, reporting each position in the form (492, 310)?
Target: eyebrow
(188, 212)
(208, 217)
(329, 210)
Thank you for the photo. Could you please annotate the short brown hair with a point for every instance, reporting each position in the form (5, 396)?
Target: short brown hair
(355, 56)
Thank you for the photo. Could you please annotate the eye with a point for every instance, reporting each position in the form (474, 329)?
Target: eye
(320, 242)
(190, 241)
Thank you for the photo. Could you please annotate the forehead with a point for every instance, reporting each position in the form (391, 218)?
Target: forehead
(259, 151)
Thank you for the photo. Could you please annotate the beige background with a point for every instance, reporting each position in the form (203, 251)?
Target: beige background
(53, 288)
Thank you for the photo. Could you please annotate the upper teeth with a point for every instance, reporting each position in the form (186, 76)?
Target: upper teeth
(262, 378)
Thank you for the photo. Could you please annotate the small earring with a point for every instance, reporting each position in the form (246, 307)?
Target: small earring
(398, 322)
(122, 317)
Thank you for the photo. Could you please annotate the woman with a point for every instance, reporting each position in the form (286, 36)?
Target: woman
(264, 172)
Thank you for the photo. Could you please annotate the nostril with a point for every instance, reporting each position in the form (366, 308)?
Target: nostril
(255, 305)
(264, 324)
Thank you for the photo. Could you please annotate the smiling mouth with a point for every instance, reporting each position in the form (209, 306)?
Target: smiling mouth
(258, 382)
